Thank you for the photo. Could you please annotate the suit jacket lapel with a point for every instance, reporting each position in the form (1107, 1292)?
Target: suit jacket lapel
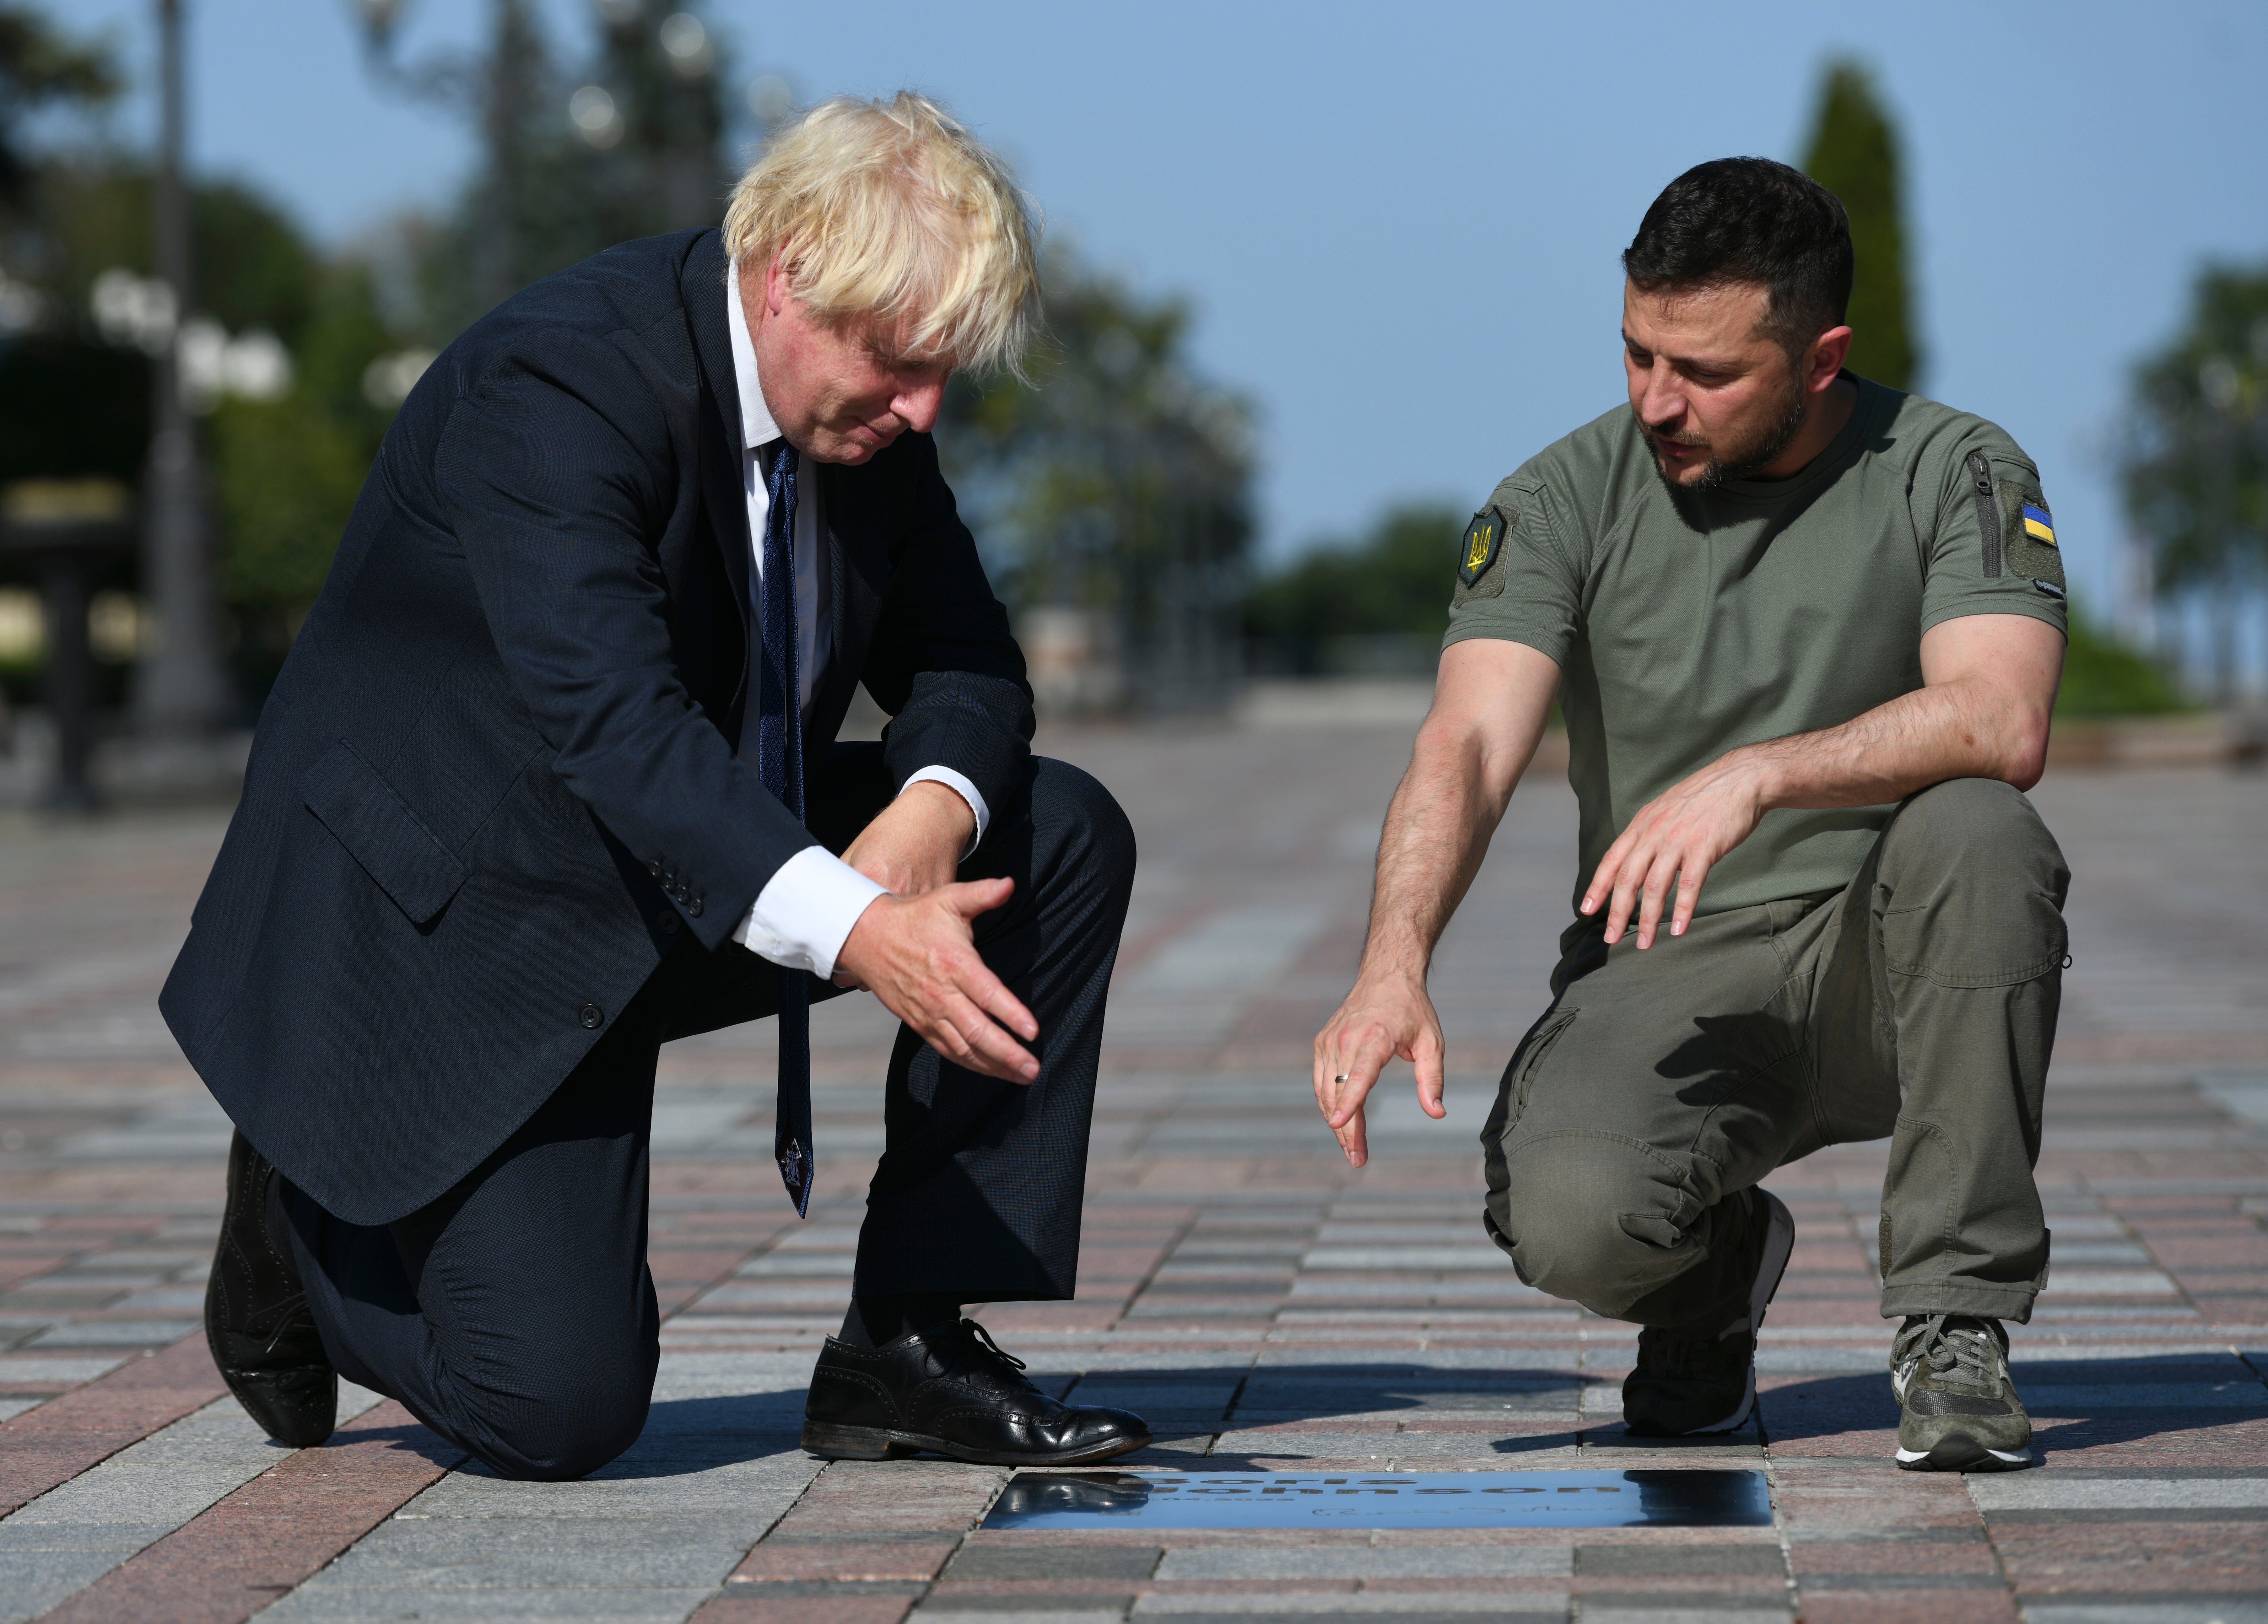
(724, 443)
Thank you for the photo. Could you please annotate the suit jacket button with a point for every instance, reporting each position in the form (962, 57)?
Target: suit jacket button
(654, 868)
(668, 922)
(591, 1017)
(694, 907)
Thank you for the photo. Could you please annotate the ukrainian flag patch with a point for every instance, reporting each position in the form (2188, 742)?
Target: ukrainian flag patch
(2039, 524)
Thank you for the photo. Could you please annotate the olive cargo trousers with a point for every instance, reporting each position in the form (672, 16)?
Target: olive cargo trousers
(1919, 1002)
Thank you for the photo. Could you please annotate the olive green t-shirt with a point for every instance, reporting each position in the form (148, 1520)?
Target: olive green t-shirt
(1686, 623)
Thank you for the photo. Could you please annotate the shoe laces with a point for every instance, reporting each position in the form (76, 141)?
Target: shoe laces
(979, 1333)
(979, 1353)
(1959, 1349)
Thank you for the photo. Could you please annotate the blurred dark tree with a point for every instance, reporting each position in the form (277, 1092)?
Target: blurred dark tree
(2196, 462)
(1116, 482)
(1854, 154)
(1390, 588)
(40, 69)
(66, 408)
(660, 164)
(630, 145)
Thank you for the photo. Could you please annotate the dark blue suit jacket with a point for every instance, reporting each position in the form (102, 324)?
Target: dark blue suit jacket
(497, 778)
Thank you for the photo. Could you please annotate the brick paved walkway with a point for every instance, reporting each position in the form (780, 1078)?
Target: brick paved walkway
(1264, 1306)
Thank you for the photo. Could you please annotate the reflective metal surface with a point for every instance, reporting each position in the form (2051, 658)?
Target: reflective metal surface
(1711, 1498)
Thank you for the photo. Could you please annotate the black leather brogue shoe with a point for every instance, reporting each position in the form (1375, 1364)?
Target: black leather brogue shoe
(950, 1390)
(257, 1321)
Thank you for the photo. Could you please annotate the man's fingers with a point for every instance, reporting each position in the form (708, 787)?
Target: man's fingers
(1352, 1138)
(1360, 1061)
(968, 898)
(1427, 1056)
(1688, 893)
(1625, 894)
(1656, 887)
(986, 1048)
(1602, 882)
(988, 993)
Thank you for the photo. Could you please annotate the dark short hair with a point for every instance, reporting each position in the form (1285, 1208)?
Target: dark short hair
(1750, 220)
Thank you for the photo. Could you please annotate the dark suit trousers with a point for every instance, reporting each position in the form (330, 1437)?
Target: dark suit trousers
(516, 1316)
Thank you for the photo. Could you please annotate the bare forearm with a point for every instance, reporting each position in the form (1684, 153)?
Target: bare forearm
(1437, 832)
(1955, 729)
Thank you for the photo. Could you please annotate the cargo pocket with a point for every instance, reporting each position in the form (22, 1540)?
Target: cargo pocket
(1520, 1077)
(394, 848)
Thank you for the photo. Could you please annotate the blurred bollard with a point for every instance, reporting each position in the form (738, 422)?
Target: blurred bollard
(69, 529)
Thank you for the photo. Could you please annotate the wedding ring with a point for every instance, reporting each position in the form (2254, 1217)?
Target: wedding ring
(1340, 1078)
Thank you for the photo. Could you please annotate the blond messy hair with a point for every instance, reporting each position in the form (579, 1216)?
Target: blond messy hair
(893, 209)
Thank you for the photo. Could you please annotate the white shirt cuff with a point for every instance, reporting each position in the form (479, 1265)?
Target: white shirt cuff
(960, 785)
(805, 911)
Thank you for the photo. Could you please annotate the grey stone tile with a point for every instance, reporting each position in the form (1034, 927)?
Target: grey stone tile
(1388, 1561)
(2045, 1491)
(33, 1580)
(2155, 1610)
(322, 1601)
(114, 1333)
(648, 1481)
(527, 1552)
(2063, 1398)
(24, 1368)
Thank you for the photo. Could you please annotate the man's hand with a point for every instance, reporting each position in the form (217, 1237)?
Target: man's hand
(1988, 691)
(1679, 835)
(918, 956)
(1490, 699)
(1380, 1019)
(914, 843)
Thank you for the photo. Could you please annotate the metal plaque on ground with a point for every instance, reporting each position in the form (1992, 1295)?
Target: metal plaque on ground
(1697, 1498)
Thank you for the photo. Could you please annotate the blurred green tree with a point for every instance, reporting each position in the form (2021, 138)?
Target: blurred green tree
(2103, 677)
(2195, 464)
(1380, 602)
(1116, 482)
(1853, 153)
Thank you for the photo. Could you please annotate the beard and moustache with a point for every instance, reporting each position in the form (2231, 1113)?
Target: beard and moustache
(1745, 457)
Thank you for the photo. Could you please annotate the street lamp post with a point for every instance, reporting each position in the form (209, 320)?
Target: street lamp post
(179, 688)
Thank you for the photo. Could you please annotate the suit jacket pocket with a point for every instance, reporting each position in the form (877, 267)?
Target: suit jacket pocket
(396, 849)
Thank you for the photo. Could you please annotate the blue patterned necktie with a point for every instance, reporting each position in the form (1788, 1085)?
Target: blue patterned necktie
(779, 761)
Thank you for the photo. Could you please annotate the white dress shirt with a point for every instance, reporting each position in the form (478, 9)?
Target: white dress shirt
(806, 909)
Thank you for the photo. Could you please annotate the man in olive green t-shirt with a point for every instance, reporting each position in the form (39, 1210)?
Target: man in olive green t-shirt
(1806, 632)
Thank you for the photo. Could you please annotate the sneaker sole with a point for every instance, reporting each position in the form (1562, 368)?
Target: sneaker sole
(1960, 1453)
(1779, 1245)
(839, 1442)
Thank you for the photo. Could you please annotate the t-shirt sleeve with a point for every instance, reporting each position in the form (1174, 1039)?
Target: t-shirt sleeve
(1517, 577)
(1993, 546)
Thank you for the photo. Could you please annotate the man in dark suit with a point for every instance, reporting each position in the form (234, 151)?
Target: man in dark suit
(547, 781)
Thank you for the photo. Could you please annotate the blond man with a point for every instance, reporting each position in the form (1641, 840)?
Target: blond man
(550, 779)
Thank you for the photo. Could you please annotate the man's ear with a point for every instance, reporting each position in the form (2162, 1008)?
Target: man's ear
(777, 291)
(1827, 351)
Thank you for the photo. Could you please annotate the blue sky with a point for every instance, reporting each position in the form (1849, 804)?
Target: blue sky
(1399, 224)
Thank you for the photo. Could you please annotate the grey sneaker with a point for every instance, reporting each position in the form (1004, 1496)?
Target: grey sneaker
(1957, 1407)
(1686, 1385)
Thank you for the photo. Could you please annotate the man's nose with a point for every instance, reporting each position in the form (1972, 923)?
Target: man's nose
(918, 407)
(1663, 403)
